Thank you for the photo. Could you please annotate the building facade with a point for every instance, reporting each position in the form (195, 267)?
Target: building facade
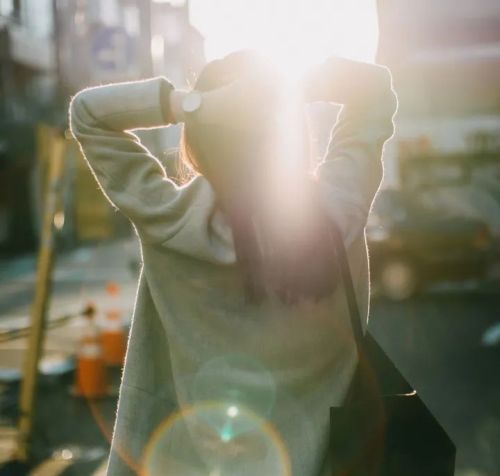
(49, 49)
(27, 95)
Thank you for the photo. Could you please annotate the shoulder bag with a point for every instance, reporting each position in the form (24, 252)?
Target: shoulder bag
(383, 428)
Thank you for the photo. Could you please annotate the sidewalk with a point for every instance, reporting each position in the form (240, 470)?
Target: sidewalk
(79, 277)
(71, 435)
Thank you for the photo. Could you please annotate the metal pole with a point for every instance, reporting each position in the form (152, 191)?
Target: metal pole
(41, 298)
(146, 36)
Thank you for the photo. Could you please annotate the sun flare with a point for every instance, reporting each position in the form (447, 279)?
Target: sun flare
(294, 34)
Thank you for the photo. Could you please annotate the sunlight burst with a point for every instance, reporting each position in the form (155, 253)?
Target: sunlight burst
(294, 34)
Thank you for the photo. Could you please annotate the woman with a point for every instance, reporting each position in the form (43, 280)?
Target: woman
(238, 321)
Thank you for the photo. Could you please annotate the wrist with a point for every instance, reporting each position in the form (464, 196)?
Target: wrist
(176, 101)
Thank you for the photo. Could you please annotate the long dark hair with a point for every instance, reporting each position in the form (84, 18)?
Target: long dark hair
(281, 236)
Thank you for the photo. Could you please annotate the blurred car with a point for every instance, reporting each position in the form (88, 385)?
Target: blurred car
(412, 247)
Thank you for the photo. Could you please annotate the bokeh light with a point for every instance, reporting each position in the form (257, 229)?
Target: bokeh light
(239, 381)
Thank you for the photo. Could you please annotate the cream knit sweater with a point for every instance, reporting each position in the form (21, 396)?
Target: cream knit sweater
(270, 371)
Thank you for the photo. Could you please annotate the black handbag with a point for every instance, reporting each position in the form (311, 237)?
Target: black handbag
(383, 428)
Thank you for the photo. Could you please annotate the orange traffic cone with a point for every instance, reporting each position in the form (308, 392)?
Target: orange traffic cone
(91, 379)
(112, 334)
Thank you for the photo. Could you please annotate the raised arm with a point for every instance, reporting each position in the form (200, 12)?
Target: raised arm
(351, 172)
(131, 178)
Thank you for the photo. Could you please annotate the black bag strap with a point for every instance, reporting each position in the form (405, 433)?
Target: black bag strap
(346, 277)
(390, 379)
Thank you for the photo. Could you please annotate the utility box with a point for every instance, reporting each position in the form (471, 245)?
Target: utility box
(93, 215)
(83, 213)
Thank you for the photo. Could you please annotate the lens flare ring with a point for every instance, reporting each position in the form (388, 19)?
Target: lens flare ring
(187, 443)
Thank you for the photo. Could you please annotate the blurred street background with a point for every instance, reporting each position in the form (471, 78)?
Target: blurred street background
(433, 234)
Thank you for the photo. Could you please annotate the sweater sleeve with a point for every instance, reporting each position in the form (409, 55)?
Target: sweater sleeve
(351, 172)
(131, 178)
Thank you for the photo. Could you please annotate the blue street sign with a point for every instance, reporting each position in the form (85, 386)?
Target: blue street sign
(112, 50)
